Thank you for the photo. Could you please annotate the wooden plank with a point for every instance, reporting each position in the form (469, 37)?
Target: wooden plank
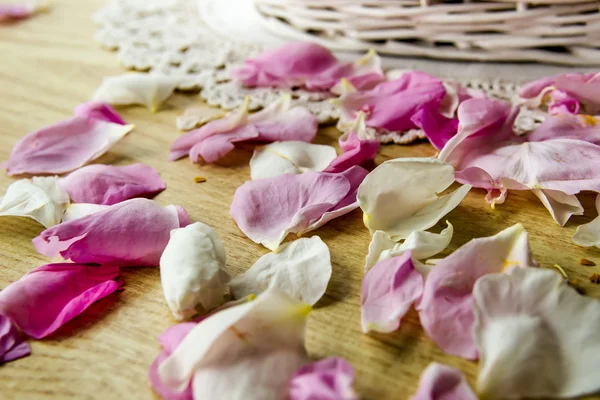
(49, 65)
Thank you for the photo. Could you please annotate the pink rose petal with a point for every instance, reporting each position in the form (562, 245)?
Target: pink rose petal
(567, 126)
(328, 379)
(12, 346)
(106, 184)
(169, 340)
(49, 296)
(64, 146)
(391, 105)
(441, 382)
(437, 128)
(388, 291)
(355, 152)
(266, 210)
(445, 308)
(100, 111)
(134, 233)
(566, 92)
(286, 66)
(10, 12)
(281, 121)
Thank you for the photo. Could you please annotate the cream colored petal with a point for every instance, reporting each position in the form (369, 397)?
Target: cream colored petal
(401, 196)
(78, 210)
(588, 235)
(195, 117)
(301, 269)
(537, 337)
(39, 198)
(259, 334)
(290, 157)
(423, 245)
(136, 88)
(560, 205)
(192, 271)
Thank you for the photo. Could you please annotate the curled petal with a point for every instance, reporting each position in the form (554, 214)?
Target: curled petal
(12, 346)
(525, 334)
(64, 146)
(49, 296)
(39, 198)
(355, 152)
(388, 291)
(422, 244)
(328, 379)
(441, 382)
(246, 351)
(363, 74)
(194, 118)
(291, 157)
(134, 233)
(301, 269)
(136, 88)
(445, 309)
(192, 270)
(588, 235)
(106, 184)
(266, 210)
(98, 110)
(401, 196)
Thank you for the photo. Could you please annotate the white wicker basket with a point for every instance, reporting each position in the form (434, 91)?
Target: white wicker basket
(552, 31)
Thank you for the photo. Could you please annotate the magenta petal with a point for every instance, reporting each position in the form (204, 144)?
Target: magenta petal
(134, 232)
(328, 379)
(64, 146)
(267, 209)
(441, 382)
(391, 105)
(105, 184)
(388, 291)
(12, 346)
(49, 296)
(169, 340)
(437, 128)
(355, 152)
(286, 66)
(563, 103)
(100, 111)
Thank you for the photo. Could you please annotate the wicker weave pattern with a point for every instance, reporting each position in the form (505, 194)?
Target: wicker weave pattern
(553, 31)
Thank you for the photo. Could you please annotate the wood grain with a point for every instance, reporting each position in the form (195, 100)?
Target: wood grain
(49, 65)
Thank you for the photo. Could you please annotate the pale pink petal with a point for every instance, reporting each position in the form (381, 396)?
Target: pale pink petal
(328, 379)
(100, 111)
(563, 103)
(106, 184)
(266, 210)
(134, 233)
(282, 121)
(169, 340)
(388, 291)
(583, 87)
(534, 88)
(64, 146)
(12, 346)
(232, 121)
(286, 66)
(441, 382)
(363, 74)
(49, 296)
(567, 126)
(445, 309)
(355, 152)
(12, 12)
(566, 91)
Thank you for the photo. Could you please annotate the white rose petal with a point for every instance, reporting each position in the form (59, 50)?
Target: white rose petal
(192, 270)
(39, 198)
(301, 269)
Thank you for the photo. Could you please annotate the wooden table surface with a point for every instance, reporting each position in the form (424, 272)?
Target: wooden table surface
(50, 64)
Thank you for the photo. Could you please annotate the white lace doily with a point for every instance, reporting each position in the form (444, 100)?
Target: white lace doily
(169, 37)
